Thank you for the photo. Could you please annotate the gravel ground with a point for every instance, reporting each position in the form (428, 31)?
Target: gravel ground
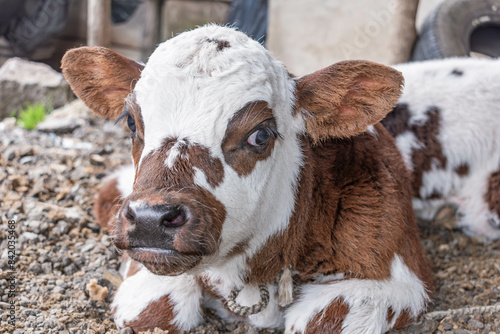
(47, 186)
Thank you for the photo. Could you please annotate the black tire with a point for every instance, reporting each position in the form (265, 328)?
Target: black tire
(458, 27)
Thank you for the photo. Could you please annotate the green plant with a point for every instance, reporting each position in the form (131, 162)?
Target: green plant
(33, 114)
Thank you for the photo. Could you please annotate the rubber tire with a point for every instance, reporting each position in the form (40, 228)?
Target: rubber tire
(447, 31)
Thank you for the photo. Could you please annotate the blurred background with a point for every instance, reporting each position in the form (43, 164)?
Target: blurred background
(305, 35)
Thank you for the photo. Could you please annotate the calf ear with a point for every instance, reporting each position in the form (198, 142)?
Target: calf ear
(342, 100)
(101, 78)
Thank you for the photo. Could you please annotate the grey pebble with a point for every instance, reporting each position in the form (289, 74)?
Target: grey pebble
(126, 330)
(62, 283)
(30, 236)
(58, 289)
(47, 267)
(70, 270)
(35, 268)
(476, 323)
(62, 227)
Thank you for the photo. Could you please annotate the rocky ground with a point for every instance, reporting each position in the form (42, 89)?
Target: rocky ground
(47, 186)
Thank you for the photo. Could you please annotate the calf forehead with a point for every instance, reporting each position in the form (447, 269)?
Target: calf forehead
(194, 83)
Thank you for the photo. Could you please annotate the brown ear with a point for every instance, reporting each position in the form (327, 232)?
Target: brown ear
(101, 78)
(343, 99)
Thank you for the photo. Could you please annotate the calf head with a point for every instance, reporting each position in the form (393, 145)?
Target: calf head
(218, 130)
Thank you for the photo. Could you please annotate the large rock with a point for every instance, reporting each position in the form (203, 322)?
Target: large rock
(65, 119)
(23, 82)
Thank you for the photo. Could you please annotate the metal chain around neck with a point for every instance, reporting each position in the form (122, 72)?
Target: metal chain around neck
(245, 311)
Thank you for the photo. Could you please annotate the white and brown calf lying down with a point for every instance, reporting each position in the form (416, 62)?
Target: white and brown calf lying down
(447, 126)
(255, 193)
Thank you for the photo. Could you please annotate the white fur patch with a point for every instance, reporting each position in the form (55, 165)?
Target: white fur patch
(371, 130)
(125, 179)
(138, 291)
(173, 153)
(368, 301)
(407, 143)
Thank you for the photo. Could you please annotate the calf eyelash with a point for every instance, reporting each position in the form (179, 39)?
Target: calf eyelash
(123, 115)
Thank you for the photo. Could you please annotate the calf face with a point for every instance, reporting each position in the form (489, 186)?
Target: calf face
(216, 125)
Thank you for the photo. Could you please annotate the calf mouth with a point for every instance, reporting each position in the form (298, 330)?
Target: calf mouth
(161, 261)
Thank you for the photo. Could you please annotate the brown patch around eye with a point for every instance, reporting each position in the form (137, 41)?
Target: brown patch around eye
(138, 137)
(241, 156)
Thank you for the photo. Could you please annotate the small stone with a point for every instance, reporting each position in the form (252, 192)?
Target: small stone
(58, 289)
(58, 125)
(444, 248)
(66, 260)
(30, 236)
(463, 242)
(35, 226)
(447, 326)
(70, 270)
(9, 154)
(96, 159)
(73, 213)
(47, 267)
(88, 246)
(62, 227)
(96, 292)
(475, 323)
(35, 268)
(8, 124)
(126, 330)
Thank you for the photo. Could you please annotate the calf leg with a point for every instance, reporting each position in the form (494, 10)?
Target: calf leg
(145, 301)
(479, 205)
(357, 306)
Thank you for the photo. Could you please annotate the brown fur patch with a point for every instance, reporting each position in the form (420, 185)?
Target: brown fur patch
(345, 98)
(107, 204)
(403, 320)
(156, 184)
(137, 137)
(221, 44)
(101, 78)
(134, 265)
(353, 214)
(329, 320)
(462, 170)
(431, 152)
(241, 156)
(493, 193)
(159, 314)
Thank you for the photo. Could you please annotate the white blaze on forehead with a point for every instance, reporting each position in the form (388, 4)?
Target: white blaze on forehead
(173, 153)
(192, 85)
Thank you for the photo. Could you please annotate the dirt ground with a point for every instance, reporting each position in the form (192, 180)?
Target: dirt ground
(47, 187)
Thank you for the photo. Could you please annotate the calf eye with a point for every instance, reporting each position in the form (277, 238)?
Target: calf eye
(131, 123)
(259, 138)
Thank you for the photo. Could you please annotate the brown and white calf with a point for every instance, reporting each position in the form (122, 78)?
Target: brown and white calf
(447, 126)
(254, 190)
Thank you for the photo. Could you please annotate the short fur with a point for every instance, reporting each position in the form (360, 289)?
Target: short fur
(324, 199)
(447, 126)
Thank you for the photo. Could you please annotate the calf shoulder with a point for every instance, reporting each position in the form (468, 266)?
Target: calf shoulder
(359, 213)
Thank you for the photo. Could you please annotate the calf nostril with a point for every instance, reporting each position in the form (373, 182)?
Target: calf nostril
(130, 214)
(174, 217)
